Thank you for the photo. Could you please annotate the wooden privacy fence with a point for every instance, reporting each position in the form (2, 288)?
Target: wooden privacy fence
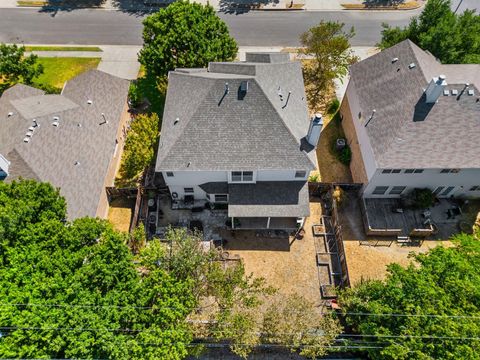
(341, 249)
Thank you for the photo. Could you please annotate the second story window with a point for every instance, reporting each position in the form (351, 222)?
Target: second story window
(300, 174)
(169, 174)
(449, 171)
(242, 176)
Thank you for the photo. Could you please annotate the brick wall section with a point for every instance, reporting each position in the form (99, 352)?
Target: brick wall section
(102, 209)
(357, 166)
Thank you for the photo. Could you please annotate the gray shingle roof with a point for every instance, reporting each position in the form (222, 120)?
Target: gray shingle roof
(405, 132)
(219, 131)
(52, 152)
(269, 198)
(215, 187)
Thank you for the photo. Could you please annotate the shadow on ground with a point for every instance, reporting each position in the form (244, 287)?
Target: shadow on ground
(133, 7)
(248, 240)
(239, 7)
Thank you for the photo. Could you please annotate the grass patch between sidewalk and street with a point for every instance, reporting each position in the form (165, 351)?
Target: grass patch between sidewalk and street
(59, 70)
(63, 48)
(408, 5)
(27, 3)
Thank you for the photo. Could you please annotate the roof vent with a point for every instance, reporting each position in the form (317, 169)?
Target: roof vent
(35, 123)
(56, 118)
(76, 163)
(10, 114)
(471, 92)
(26, 139)
(446, 92)
(454, 92)
(176, 121)
(55, 123)
(411, 65)
(29, 133)
(394, 60)
(31, 128)
(79, 125)
(244, 86)
(89, 102)
(105, 121)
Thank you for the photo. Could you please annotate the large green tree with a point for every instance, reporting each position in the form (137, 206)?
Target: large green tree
(71, 290)
(452, 38)
(428, 310)
(329, 45)
(184, 35)
(16, 67)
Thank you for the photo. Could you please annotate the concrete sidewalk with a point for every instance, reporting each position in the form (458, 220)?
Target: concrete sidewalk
(121, 61)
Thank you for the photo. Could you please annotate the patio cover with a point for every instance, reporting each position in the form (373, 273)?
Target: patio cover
(269, 199)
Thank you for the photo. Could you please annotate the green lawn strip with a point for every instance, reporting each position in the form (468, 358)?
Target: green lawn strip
(63, 48)
(58, 70)
(32, 3)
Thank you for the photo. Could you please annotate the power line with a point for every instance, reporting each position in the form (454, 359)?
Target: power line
(9, 328)
(207, 306)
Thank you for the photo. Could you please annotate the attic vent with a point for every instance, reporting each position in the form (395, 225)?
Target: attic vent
(55, 123)
(412, 65)
(26, 139)
(56, 118)
(35, 123)
(454, 92)
(76, 163)
(10, 114)
(31, 128)
(471, 92)
(79, 125)
(176, 121)
(29, 134)
(89, 102)
(446, 92)
(394, 60)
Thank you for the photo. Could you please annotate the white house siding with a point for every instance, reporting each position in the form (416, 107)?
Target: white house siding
(362, 137)
(192, 179)
(430, 178)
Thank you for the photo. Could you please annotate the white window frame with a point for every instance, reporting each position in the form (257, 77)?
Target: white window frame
(396, 188)
(302, 174)
(221, 201)
(242, 176)
(383, 193)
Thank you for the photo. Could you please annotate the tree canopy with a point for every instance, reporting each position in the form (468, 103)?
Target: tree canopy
(16, 67)
(184, 35)
(71, 290)
(436, 301)
(452, 38)
(330, 46)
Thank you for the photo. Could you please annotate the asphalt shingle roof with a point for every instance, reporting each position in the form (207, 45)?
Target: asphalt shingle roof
(206, 128)
(406, 132)
(269, 198)
(52, 152)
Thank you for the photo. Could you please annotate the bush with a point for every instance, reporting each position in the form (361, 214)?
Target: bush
(49, 89)
(419, 199)
(313, 178)
(134, 95)
(345, 155)
(333, 106)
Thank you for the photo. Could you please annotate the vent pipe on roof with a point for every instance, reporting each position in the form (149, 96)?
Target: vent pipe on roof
(315, 129)
(435, 88)
(10, 114)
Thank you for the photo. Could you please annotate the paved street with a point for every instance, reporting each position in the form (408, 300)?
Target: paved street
(120, 28)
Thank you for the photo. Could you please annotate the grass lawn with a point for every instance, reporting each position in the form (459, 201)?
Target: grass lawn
(63, 48)
(59, 70)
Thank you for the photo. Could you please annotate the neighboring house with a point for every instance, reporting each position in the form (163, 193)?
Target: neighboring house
(236, 133)
(73, 140)
(413, 123)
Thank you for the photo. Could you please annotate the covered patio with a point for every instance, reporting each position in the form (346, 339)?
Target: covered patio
(272, 205)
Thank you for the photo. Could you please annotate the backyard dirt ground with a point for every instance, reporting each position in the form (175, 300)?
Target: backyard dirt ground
(370, 262)
(120, 213)
(285, 263)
